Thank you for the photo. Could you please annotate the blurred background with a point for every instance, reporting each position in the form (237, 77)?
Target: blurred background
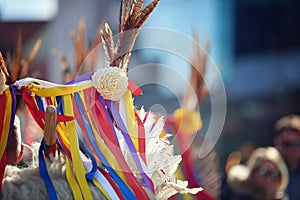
(255, 45)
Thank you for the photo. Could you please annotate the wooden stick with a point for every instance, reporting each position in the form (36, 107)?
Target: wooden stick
(50, 126)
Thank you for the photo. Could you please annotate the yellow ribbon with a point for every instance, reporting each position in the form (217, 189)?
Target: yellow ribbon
(130, 119)
(56, 91)
(6, 125)
(77, 162)
(61, 129)
(102, 146)
(72, 181)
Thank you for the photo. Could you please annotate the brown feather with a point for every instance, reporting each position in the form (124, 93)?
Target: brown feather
(137, 10)
(146, 13)
(110, 40)
(125, 14)
(132, 19)
(79, 43)
(3, 66)
(30, 58)
(197, 81)
(120, 16)
(17, 58)
(93, 53)
(106, 47)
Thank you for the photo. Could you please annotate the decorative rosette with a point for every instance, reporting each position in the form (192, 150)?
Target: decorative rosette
(110, 82)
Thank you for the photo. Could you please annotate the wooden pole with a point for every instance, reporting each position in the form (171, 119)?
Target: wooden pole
(50, 125)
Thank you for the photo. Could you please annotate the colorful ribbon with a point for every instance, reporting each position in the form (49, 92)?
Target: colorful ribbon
(85, 120)
(8, 110)
(44, 173)
(183, 124)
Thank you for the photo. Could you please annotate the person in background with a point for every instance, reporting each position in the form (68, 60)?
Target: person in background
(287, 140)
(264, 177)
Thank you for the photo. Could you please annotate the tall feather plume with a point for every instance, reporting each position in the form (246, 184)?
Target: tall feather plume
(207, 168)
(66, 67)
(79, 43)
(3, 66)
(82, 50)
(132, 17)
(27, 62)
(16, 66)
(108, 44)
(93, 50)
(197, 83)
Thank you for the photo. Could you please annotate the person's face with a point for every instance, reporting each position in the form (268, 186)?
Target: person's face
(289, 143)
(266, 177)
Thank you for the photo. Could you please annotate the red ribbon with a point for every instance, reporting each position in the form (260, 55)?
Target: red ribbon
(3, 159)
(141, 137)
(134, 88)
(112, 183)
(187, 161)
(82, 126)
(2, 169)
(109, 138)
(38, 115)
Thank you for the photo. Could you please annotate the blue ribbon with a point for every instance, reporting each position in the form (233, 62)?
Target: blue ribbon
(89, 175)
(13, 110)
(39, 102)
(44, 174)
(128, 140)
(125, 190)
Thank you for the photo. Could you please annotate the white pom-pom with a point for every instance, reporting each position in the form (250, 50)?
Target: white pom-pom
(110, 82)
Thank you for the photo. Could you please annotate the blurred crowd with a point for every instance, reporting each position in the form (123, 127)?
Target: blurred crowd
(265, 173)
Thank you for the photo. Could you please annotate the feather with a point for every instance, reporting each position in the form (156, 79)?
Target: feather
(30, 58)
(3, 66)
(146, 13)
(131, 19)
(198, 91)
(17, 58)
(158, 127)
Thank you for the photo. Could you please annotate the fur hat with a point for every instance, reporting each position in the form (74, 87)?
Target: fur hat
(288, 122)
(238, 175)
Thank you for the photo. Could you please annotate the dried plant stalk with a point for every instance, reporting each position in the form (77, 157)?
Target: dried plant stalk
(79, 43)
(34, 51)
(3, 66)
(66, 67)
(8, 61)
(125, 15)
(92, 52)
(32, 54)
(84, 61)
(120, 16)
(132, 17)
(137, 10)
(16, 68)
(110, 37)
(197, 82)
(146, 13)
(96, 42)
(108, 44)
